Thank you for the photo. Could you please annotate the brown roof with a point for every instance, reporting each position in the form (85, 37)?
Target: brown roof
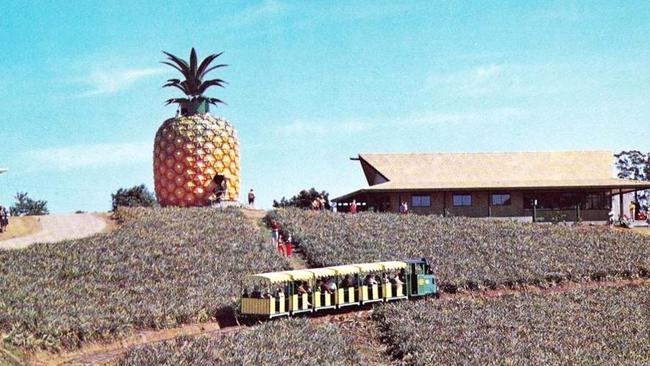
(443, 171)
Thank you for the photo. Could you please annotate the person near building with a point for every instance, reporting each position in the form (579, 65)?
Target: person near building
(404, 208)
(632, 207)
(353, 207)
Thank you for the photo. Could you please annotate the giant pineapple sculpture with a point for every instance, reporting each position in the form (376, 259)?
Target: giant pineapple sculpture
(196, 155)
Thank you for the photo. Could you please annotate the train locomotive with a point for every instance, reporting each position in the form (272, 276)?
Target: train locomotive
(287, 293)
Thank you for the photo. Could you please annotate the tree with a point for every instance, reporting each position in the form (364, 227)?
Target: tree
(136, 196)
(26, 206)
(634, 165)
(303, 199)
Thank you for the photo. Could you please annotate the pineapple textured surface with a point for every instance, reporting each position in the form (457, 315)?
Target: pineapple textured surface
(189, 151)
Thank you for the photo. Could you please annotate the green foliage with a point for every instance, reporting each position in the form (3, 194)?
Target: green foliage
(161, 268)
(303, 199)
(193, 85)
(280, 342)
(136, 196)
(606, 326)
(25, 206)
(470, 253)
(634, 165)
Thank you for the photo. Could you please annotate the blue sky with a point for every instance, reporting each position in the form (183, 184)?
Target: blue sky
(312, 84)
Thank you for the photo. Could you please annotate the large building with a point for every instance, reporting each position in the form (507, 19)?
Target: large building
(547, 185)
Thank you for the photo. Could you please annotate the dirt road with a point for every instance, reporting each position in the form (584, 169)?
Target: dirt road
(53, 228)
(355, 321)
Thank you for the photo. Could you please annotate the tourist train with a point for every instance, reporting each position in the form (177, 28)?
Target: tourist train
(287, 293)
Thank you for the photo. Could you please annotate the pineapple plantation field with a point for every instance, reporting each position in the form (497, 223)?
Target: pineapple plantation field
(280, 342)
(161, 268)
(599, 326)
(470, 253)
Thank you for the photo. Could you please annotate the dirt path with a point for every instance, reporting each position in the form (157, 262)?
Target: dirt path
(20, 226)
(55, 228)
(353, 321)
(98, 354)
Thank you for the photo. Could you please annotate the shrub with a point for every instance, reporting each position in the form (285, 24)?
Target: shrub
(136, 196)
(25, 206)
(588, 327)
(467, 252)
(280, 342)
(303, 199)
(162, 268)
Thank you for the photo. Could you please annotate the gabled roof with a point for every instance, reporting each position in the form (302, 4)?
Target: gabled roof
(492, 167)
(532, 170)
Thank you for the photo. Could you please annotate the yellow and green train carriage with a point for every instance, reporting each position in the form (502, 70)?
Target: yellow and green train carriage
(286, 293)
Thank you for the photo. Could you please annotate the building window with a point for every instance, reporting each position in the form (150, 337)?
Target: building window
(597, 201)
(501, 199)
(420, 201)
(563, 200)
(462, 200)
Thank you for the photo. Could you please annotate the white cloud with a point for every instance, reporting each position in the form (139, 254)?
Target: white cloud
(107, 80)
(511, 79)
(321, 128)
(88, 156)
(256, 13)
(494, 115)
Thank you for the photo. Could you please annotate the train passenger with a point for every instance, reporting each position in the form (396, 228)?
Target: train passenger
(256, 294)
(347, 281)
(396, 280)
(370, 280)
(304, 289)
(331, 285)
(279, 292)
(301, 290)
(324, 287)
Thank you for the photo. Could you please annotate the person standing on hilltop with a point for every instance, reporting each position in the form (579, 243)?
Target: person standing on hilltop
(251, 198)
(4, 219)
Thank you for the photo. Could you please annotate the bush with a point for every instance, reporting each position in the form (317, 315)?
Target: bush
(470, 253)
(161, 268)
(303, 199)
(280, 342)
(26, 206)
(136, 196)
(588, 327)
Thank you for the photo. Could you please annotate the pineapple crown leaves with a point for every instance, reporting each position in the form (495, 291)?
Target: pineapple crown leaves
(194, 73)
